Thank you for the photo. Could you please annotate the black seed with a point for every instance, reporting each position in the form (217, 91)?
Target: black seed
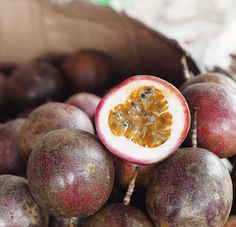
(148, 90)
(143, 96)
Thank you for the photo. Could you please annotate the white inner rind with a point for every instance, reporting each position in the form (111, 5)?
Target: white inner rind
(122, 145)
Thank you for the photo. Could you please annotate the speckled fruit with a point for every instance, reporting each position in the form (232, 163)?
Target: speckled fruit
(17, 207)
(70, 174)
(216, 117)
(125, 172)
(34, 84)
(213, 77)
(191, 188)
(85, 101)
(88, 71)
(11, 161)
(48, 117)
(118, 215)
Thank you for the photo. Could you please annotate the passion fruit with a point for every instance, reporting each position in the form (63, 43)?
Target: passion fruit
(213, 77)
(125, 172)
(11, 161)
(88, 71)
(118, 215)
(18, 208)
(48, 117)
(34, 84)
(191, 188)
(87, 102)
(143, 120)
(70, 173)
(215, 106)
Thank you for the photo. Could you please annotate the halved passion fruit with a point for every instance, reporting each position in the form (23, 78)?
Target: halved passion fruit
(143, 120)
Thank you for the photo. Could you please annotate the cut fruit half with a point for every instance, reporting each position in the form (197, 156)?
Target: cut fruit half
(143, 120)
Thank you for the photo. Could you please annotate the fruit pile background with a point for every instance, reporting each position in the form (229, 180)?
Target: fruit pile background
(56, 169)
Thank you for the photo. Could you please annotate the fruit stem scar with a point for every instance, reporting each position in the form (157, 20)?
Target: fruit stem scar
(187, 73)
(194, 129)
(131, 187)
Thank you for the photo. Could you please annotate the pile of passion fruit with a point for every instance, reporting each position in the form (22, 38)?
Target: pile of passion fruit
(80, 147)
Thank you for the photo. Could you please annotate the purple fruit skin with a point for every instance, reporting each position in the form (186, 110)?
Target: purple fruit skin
(18, 208)
(191, 188)
(216, 117)
(85, 101)
(70, 173)
(88, 71)
(11, 161)
(118, 215)
(213, 77)
(35, 84)
(49, 117)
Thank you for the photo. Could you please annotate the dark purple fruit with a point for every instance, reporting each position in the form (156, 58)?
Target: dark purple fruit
(11, 161)
(87, 102)
(118, 215)
(191, 188)
(125, 172)
(17, 207)
(48, 117)
(215, 105)
(213, 77)
(88, 71)
(34, 84)
(70, 173)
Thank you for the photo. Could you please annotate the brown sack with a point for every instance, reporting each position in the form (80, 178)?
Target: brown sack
(29, 28)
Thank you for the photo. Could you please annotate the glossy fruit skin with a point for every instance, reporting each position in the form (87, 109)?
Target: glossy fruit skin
(87, 102)
(191, 188)
(34, 84)
(11, 161)
(216, 117)
(88, 71)
(18, 208)
(118, 215)
(48, 117)
(70, 173)
(213, 77)
(125, 172)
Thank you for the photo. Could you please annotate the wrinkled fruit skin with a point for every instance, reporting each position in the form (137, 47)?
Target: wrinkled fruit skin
(216, 117)
(125, 172)
(70, 173)
(88, 71)
(18, 208)
(48, 117)
(85, 101)
(118, 215)
(35, 84)
(191, 188)
(11, 161)
(213, 77)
